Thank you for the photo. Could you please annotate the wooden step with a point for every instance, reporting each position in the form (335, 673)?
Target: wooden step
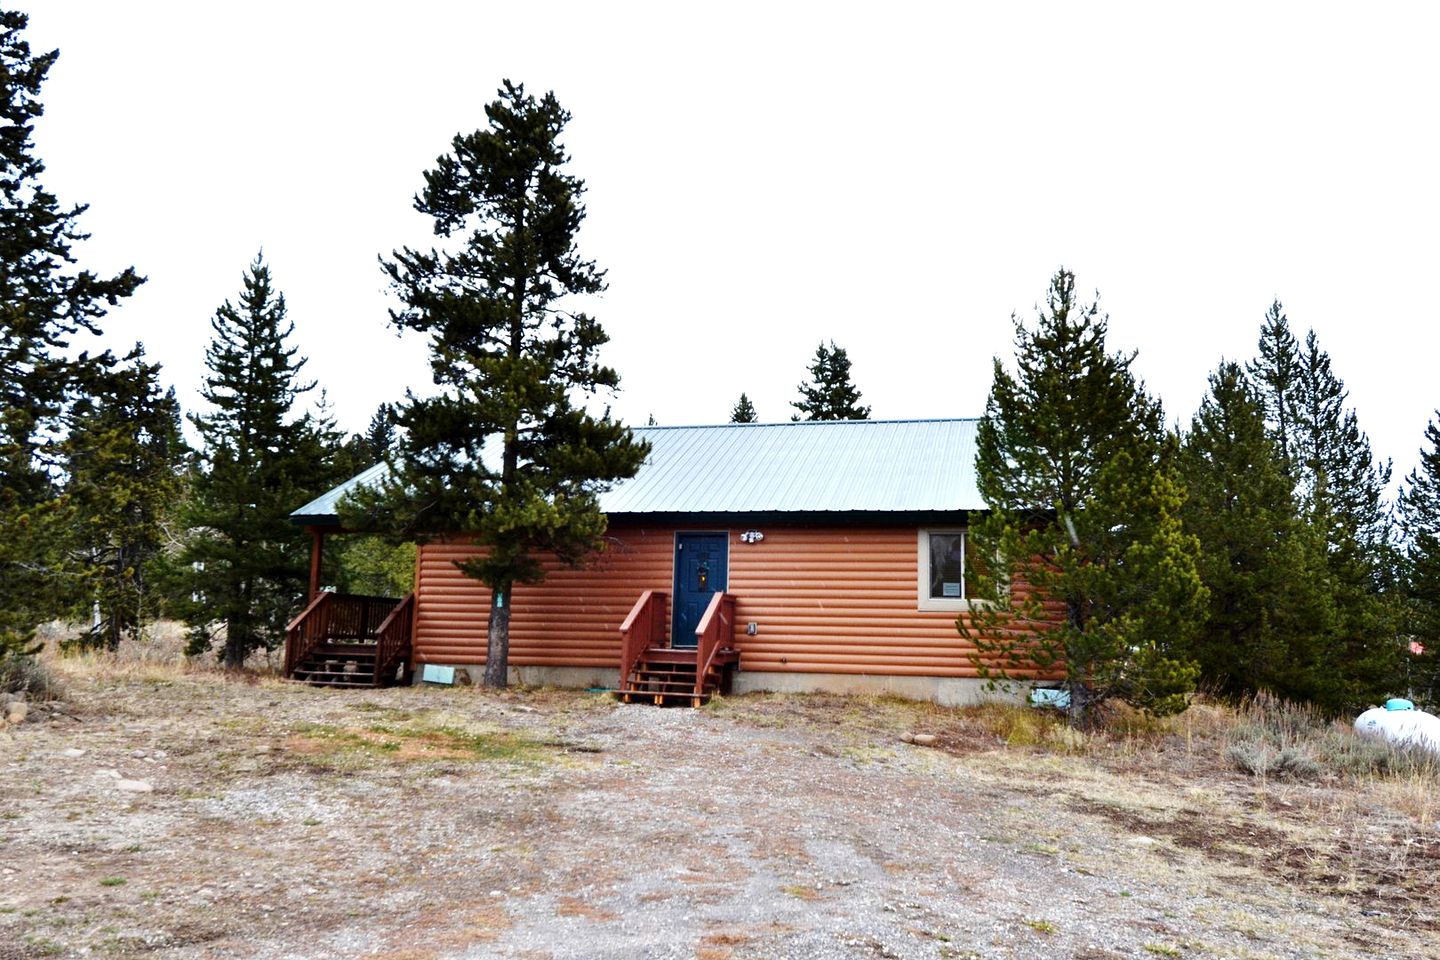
(669, 655)
(661, 699)
(319, 670)
(347, 684)
(335, 648)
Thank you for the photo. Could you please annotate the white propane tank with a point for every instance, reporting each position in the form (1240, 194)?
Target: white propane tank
(1400, 724)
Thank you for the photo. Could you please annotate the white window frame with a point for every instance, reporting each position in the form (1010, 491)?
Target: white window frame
(922, 572)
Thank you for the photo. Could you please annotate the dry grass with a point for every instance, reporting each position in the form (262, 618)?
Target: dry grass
(511, 792)
(1264, 744)
(29, 678)
(161, 645)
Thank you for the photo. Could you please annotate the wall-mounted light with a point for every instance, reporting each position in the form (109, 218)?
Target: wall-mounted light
(751, 536)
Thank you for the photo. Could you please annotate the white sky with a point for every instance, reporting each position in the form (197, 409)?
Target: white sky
(897, 177)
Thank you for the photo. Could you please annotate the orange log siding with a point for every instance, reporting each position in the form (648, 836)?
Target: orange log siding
(824, 599)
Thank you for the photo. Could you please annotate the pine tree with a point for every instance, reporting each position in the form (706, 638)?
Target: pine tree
(124, 458)
(1263, 566)
(744, 411)
(379, 437)
(1079, 477)
(1341, 491)
(248, 563)
(1419, 510)
(503, 452)
(44, 301)
(1277, 370)
(829, 394)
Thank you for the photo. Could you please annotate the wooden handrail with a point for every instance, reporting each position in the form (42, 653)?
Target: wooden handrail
(392, 640)
(320, 598)
(335, 616)
(645, 623)
(304, 633)
(714, 633)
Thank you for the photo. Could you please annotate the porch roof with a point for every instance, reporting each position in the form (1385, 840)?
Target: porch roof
(839, 466)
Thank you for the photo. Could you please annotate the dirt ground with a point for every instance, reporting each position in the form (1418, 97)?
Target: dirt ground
(166, 814)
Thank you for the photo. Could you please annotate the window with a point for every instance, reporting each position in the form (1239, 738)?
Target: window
(942, 575)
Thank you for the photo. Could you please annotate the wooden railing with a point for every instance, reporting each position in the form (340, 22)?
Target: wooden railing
(643, 627)
(357, 617)
(307, 631)
(334, 616)
(392, 640)
(714, 633)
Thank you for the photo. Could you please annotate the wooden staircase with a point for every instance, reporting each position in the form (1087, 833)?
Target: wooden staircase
(342, 640)
(338, 665)
(650, 671)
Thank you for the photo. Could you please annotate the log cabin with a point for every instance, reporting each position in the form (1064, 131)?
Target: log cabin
(809, 556)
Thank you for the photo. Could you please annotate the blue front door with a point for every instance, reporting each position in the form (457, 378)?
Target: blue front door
(701, 562)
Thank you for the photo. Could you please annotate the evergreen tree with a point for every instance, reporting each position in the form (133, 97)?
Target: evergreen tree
(124, 457)
(44, 301)
(1419, 510)
(744, 411)
(1263, 566)
(1277, 371)
(1340, 488)
(248, 564)
(1084, 499)
(380, 435)
(829, 394)
(1340, 478)
(503, 452)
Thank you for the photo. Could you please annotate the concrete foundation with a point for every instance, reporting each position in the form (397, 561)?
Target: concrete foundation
(572, 678)
(946, 691)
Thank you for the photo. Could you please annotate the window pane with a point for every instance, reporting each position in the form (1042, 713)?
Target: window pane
(947, 566)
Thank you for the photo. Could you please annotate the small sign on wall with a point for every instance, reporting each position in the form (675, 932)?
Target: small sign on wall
(433, 673)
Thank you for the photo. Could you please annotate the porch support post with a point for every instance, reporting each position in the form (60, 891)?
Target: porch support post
(317, 549)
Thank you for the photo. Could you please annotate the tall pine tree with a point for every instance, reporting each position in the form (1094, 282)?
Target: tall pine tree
(45, 299)
(1420, 522)
(1078, 474)
(504, 452)
(1340, 487)
(124, 461)
(829, 394)
(247, 563)
(1277, 371)
(1262, 563)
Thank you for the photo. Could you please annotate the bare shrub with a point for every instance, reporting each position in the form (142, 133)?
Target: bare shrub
(1277, 739)
(28, 677)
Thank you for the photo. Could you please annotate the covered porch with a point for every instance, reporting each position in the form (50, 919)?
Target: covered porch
(348, 640)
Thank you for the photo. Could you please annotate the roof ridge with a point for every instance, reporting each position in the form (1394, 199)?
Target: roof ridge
(805, 423)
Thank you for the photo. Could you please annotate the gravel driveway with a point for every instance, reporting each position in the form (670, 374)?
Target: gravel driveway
(186, 815)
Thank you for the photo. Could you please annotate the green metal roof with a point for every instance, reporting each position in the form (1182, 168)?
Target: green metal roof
(849, 466)
(323, 511)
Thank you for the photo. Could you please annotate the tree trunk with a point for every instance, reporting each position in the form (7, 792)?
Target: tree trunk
(1079, 715)
(234, 650)
(1077, 675)
(497, 654)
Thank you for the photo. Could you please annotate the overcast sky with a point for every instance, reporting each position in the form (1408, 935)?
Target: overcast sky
(900, 178)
